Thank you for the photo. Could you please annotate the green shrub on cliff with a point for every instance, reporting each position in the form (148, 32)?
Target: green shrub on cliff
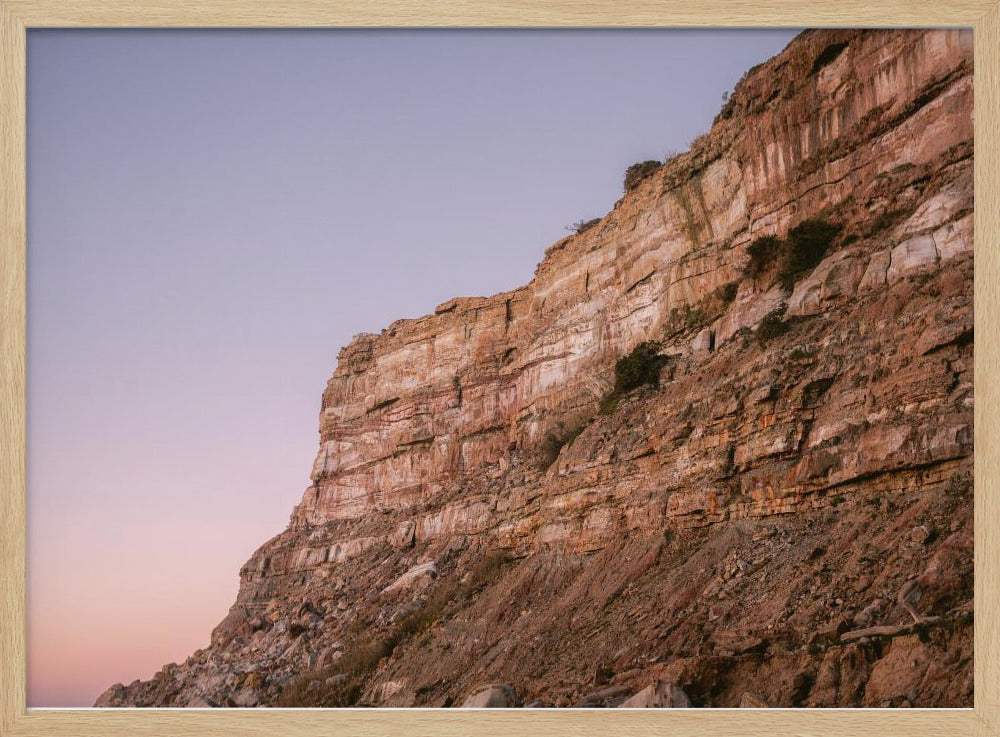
(798, 253)
(762, 253)
(641, 367)
(807, 244)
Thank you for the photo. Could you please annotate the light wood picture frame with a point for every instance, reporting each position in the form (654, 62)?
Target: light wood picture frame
(17, 16)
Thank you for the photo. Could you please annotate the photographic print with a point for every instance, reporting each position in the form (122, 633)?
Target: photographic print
(704, 440)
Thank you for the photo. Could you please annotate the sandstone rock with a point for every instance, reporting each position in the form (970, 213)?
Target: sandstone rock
(915, 253)
(955, 238)
(748, 313)
(836, 277)
(405, 534)
(658, 695)
(198, 702)
(876, 273)
(419, 575)
(888, 679)
(439, 421)
(491, 697)
(750, 701)
(703, 342)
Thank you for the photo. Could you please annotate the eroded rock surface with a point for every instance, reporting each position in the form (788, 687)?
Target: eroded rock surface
(474, 517)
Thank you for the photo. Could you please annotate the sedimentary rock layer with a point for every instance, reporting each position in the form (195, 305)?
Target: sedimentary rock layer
(805, 455)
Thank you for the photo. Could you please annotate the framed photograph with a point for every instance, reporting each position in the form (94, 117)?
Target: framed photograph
(724, 463)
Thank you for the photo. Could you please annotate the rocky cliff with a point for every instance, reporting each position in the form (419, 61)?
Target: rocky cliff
(780, 514)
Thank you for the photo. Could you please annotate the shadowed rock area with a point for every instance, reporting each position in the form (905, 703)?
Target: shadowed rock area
(718, 452)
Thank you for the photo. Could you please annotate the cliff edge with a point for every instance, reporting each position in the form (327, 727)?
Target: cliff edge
(722, 440)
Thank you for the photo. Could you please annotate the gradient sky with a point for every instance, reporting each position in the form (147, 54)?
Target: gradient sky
(213, 214)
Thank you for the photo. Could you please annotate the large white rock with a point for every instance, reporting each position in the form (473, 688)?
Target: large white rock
(875, 273)
(954, 238)
(915, 253)
(835, 276)
(747, 313)
(942, 207)
(422, 573)
(702, 342)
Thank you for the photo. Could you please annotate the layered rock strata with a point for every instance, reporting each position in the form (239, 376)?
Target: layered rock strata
(479, 513)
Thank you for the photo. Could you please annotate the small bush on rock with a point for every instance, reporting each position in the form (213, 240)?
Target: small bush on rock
(807, 243)
(637, 172)
(641, 366)
(772, 326)
(762, 253)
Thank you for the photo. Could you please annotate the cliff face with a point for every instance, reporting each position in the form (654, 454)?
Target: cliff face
(479, 512)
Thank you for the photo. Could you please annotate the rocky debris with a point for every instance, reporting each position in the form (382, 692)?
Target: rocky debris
(492, 697)
(605, 698)
(909, 596)
(749, 701)
(867, 616)
(658, 695)
(715, 531)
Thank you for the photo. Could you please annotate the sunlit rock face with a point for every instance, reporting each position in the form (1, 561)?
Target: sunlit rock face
(765, 491)
(430, 401)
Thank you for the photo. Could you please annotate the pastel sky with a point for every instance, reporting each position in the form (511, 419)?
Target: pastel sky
(213, 214)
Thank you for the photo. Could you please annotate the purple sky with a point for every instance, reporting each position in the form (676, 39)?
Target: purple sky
(213, 214)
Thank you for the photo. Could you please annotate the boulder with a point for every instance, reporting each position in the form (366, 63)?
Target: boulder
(405, 535)
(658, 695)
(114, 696)
(876, 273)
(246, 697)
(703, 342)
(750, 701)
(500, 696)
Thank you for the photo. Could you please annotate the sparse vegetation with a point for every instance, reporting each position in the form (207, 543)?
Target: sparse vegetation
(884, 220)
(610, 403)
(798, 253)
(762, 252)
(555, 441)
(637, 172)
(772, 326)
(807, 243)
(641, 367)
(340, 684)
(581, 226)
